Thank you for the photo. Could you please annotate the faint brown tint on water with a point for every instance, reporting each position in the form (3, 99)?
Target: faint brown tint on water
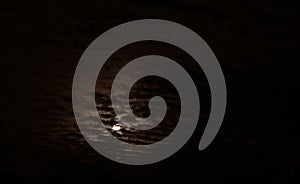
(143, 90)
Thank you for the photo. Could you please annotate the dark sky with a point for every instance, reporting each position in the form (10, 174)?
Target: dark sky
(255, 42)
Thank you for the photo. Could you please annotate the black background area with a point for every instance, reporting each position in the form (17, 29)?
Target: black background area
(256, 43)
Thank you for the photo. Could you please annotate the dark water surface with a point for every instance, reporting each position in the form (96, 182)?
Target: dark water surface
(255, 43)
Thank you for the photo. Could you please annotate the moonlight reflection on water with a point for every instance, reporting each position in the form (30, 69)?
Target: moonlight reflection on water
(116, 127)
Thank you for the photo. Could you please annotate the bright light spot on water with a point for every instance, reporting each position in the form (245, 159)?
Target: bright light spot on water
(116, 127)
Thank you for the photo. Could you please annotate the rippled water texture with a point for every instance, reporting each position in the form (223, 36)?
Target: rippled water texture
(41, 43)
